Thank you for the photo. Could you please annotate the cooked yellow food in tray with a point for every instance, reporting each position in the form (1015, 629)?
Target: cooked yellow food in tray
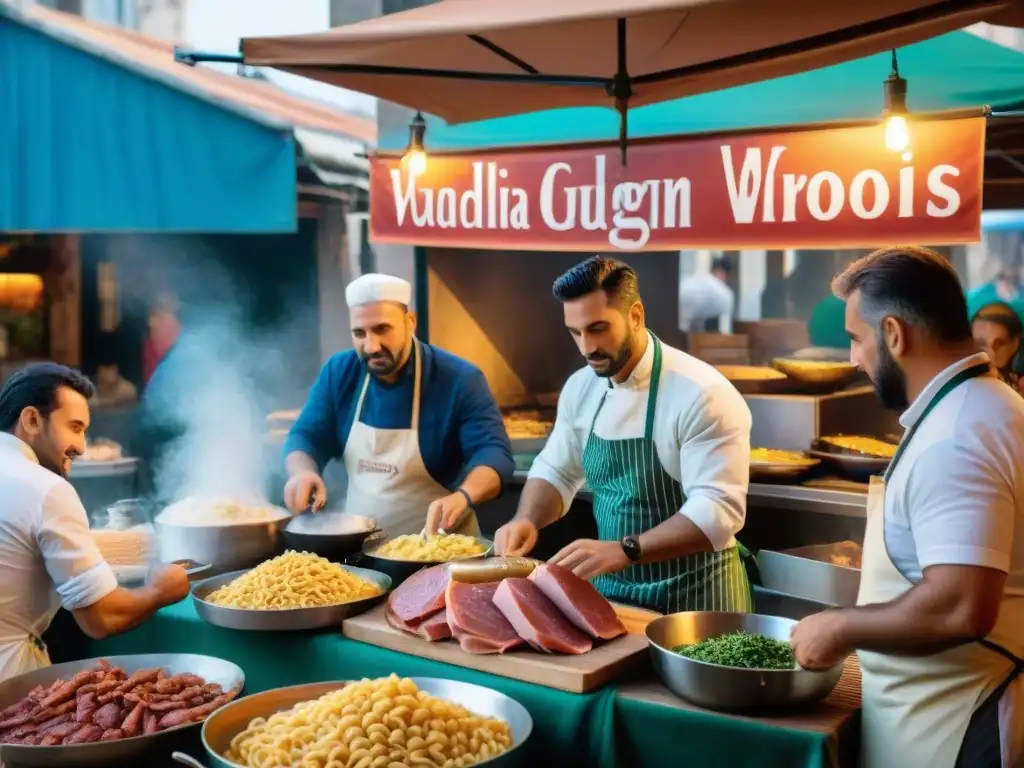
(778, 456)
(749, 372)
(383, 722)
(868, 446)
(526, 426)
(293, 580)
(434, 549)
(815, 365)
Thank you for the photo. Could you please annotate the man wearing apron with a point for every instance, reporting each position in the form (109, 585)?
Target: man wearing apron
(939, 625)
(417, 428)
(663, 442)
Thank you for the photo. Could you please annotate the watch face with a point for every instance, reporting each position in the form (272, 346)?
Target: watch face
(631, 546)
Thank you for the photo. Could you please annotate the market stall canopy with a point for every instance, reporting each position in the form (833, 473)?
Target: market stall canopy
(953, 71)
(109, 134)
(475, 59)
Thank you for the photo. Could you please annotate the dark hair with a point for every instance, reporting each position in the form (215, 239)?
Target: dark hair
(35, 386)
(911, 283)
(616, 279)
(1001, 313)
(723, 263)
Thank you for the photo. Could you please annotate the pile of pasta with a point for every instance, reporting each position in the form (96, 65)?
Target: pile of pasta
(432, 549)
(294, 580)
(383, 723)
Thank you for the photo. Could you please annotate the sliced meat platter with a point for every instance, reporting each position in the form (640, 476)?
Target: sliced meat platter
(552, 610)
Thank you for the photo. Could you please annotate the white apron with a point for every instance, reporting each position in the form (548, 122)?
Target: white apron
(387, 479)
(917, 712)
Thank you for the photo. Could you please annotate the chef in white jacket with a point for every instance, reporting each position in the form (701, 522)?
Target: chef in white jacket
(47, 555)
(939, 625)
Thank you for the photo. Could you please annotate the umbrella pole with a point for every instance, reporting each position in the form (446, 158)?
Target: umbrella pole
(621, 88)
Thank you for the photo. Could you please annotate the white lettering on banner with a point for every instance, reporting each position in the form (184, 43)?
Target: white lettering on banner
(826, 193)
(630, 212)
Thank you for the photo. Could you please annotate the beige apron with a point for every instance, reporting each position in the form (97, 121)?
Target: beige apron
(916, 711)
(387, 479)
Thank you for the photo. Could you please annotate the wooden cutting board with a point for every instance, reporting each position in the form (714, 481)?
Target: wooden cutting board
(576, 674)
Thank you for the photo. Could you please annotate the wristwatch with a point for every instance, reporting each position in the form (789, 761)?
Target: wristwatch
(631, 546)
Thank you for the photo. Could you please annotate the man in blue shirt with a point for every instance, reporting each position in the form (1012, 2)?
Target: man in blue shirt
(417, 428)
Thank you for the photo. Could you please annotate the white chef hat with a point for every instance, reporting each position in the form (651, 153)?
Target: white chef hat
(377, 287)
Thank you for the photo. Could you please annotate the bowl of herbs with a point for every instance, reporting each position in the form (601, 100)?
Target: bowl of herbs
(734, 661)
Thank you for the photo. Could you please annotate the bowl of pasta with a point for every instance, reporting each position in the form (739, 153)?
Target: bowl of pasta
(401, 556)
(293, 591)
(410, 721)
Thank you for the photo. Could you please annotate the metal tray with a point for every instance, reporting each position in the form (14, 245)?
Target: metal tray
(109, 753)
(806, 572)
(400, 570)
(83, 469)
(851, 466)
(785, 472)
(229, 721)
(289, 619)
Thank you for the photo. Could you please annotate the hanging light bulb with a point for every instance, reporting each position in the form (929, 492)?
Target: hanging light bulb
(415, 157)
(897, 129)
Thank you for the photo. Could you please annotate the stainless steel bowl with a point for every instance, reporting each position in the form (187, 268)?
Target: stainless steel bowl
(240, 545)
(729, 688)
(229, 721)
(400, 570)
(110, 753)
(289, 619)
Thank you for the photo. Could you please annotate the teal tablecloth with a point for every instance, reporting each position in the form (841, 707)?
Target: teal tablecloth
(596, 730)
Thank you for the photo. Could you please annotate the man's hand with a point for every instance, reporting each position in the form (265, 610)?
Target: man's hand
(818, 641)
(170, 583)
(305, 489)
(515, 539)
(444, 512)
(588, 558)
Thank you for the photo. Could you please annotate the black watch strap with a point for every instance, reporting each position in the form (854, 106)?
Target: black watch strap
(631, 547)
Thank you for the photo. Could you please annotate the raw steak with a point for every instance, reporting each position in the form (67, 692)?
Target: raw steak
(434, 627)
(475, 620)
(579, 600)
(419, 596)
(537, 620)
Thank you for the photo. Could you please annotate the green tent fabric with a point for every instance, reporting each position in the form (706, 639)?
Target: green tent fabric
(827, 324)
(948, 72)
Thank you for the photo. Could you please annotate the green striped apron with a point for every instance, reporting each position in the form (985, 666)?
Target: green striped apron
(632, 494)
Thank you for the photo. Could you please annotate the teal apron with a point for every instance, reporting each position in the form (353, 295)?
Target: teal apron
(632, 494)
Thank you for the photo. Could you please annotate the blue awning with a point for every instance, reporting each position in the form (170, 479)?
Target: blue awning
(89, 142)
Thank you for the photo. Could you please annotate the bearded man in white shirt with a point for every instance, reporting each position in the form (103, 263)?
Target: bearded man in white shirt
(48, 558)
(661, 439)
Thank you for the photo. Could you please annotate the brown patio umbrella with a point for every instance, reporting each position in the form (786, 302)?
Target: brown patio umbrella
(469, 60)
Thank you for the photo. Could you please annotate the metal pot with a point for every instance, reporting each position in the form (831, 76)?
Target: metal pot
(400, 570)
(223, 547)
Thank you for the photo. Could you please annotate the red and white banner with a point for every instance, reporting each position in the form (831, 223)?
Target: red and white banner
(814, 188)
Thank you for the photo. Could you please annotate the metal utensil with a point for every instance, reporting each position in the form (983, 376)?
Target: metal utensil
(458, 521)
(729, 688)
(289, 619)
(229, 721)
(191, 762)
(109, 753)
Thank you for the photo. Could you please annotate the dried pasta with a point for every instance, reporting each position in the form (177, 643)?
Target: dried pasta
(293, 580)
(383, 723)
(433, 549)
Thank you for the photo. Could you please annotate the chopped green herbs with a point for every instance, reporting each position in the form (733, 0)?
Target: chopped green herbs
(741, 649)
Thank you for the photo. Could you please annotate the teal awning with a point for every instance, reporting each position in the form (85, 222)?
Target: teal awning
(952, 71)
(89, 142)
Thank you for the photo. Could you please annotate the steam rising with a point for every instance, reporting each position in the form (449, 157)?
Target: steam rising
(246, 348)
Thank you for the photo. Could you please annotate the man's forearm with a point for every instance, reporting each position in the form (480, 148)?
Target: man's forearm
(674, 538)
(121, 610)
(918, 623)
(297, 462)
(482, 484)
(540, 503)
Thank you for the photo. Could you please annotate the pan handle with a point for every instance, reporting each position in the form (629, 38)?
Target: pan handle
(191, 762)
